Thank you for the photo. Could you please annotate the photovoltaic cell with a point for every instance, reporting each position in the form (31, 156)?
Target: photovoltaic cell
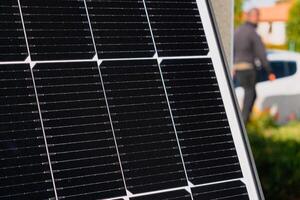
(142, 124)
(235, 190)
(80, 140)
(200, 119)
(177, 27)
(173, 195)
(12, 40)
(57, 29)
(120, 28)
(24, 167)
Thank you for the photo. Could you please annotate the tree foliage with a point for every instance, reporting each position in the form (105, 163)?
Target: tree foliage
(293, 28)
(238, 12)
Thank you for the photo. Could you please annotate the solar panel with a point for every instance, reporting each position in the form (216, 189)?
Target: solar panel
(201, 122)
(120, 29)
(57, 29)
(118, 100)
(179, 194)
(24, 166)
(143, 127)
(12, 40)
(79, 136)
(177, 28)
(228, 190)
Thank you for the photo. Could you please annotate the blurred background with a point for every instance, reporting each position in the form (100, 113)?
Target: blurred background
(274, 127)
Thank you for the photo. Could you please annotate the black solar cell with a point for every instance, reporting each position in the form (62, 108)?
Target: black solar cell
(12, 40)
(173, 195)
(201, 122)
(143, 127)
(57, 29)
(177, 27)
(80, 140)
(24, 167)
(235, 190)
(120, 28)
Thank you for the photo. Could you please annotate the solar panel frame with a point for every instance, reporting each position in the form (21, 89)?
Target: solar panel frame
(218, 56)
(257, 188)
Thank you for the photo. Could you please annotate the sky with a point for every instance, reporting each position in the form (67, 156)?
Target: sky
(257, 3)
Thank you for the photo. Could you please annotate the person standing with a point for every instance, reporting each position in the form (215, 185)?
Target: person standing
(248, 47)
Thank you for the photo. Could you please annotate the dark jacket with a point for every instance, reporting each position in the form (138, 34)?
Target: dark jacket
(248, 46)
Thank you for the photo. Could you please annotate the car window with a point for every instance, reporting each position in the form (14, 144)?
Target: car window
(281, 69)
(292, 66)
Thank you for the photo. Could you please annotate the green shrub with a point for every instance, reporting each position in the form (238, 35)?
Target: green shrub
(277, 154)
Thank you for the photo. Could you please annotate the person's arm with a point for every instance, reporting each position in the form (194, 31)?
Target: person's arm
(261, 54)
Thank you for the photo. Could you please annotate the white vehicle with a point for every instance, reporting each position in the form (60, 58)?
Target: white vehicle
(281, 96)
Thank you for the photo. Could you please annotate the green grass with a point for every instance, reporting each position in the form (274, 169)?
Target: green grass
(277, 155)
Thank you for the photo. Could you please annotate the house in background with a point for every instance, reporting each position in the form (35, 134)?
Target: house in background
(273, 20)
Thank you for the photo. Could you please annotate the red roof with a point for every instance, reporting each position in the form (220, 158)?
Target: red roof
(278, 12)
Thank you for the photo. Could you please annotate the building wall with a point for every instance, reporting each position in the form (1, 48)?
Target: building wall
(224, 13)
(273, 32)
